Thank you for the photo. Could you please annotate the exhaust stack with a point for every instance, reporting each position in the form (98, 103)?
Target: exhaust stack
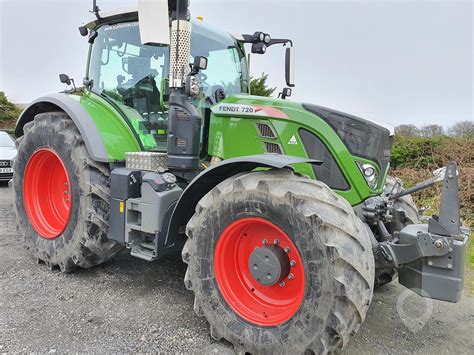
(184, 120)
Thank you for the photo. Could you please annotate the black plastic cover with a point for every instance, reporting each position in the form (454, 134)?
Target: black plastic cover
(363, 138)
(329, 171)
(125, 183)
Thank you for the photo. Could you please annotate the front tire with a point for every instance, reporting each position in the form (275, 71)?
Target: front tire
(326, 299)
(62, 196)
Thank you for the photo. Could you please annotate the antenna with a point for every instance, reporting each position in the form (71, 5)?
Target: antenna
(95, 9)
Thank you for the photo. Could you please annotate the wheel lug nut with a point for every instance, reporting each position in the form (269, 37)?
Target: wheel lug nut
(276, 242)
(291, 276)
(282, 284)
(265, 241)
(287, 250)
(292, 263)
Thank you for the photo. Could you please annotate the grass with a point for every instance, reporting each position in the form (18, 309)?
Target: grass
(470, 252)
(469, 274)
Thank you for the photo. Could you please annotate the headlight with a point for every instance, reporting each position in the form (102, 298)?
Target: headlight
(370, 174)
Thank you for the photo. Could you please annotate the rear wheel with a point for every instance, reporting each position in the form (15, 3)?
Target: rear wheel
(279, 264)
(62, 195)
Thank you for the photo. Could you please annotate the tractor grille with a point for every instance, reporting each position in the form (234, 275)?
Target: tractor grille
(5, 164)
(265, 130)
(273, 148)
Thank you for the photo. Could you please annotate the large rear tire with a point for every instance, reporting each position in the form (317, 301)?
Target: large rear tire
(325, 299)
(62, 196)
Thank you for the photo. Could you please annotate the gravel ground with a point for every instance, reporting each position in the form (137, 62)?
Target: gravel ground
(129, 305)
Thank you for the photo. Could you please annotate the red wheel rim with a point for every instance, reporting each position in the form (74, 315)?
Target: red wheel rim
(47, 193)
(254, 302)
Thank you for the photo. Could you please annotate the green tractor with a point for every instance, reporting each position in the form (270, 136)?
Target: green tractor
(282, 211)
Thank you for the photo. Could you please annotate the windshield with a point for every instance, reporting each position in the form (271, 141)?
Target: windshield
(6, 141)
(136, 76)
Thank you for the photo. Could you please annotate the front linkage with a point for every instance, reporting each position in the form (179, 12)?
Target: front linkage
(430, 256)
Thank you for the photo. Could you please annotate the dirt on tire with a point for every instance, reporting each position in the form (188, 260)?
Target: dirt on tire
(338, 261)
(83, 243)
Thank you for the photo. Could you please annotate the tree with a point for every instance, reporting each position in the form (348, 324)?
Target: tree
(8, 110)
(259, 87)
(462, 129)
(431, 130)
(407, 130)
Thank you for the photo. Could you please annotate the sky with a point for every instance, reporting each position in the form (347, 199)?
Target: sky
(399, 62)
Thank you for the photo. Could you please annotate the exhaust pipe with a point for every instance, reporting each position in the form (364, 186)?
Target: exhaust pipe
(184, 119)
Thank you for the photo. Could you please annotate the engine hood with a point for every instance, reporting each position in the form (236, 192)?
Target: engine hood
(7, 153)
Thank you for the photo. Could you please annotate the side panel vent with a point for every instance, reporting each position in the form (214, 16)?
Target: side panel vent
(181, 114)
(265, 130)
(181, 142)
(273, 148)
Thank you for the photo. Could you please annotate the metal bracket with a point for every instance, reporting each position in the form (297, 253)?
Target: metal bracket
(425, 245)
(448, 223)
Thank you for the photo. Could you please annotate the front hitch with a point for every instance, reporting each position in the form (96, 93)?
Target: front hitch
(431, 257)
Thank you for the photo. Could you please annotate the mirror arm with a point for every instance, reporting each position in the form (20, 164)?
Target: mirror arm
(283, 41)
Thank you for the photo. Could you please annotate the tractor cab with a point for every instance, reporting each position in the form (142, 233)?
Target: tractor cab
(137, 76)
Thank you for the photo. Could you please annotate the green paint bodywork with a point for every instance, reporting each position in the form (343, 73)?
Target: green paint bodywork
(236, 135)
(117, 136)
(232, 136)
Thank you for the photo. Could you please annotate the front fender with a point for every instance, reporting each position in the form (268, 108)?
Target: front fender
(211, 177)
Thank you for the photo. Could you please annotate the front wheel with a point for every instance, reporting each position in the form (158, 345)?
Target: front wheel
(279, 264)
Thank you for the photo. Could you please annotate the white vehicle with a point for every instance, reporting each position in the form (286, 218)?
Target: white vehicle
(8, 152)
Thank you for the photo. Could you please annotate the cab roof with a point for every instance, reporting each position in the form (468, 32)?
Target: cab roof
(122, 13)
(130, 13)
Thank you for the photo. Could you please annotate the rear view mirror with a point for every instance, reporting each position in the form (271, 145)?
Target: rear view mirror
(200, 63)
(285, 93)
(154, 22)
(64, 78)
(83, 31)
(290, 67)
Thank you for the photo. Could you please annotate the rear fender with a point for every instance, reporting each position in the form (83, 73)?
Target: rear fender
(106, 134)
(80, 117)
